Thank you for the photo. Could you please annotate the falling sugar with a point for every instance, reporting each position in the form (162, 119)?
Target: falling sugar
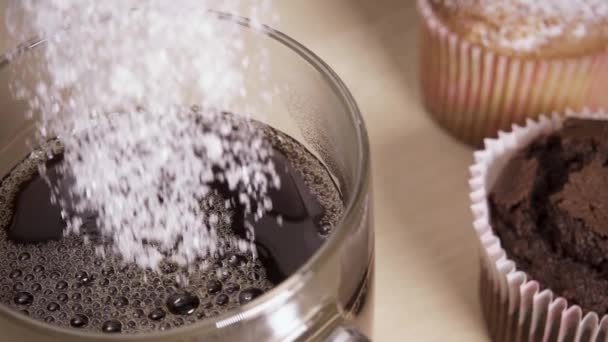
(111, 79)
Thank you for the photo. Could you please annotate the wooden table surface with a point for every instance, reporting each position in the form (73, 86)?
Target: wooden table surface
(426, 255)
(427, 259)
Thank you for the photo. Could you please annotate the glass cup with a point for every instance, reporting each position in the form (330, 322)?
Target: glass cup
(330, 297)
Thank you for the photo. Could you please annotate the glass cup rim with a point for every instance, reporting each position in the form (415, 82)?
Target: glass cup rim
(344, 227)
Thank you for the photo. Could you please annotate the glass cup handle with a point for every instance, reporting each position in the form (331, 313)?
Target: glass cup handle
(342, 333)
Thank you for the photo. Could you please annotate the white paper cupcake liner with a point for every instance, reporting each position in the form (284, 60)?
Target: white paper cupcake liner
(473, 91)
(514, 307)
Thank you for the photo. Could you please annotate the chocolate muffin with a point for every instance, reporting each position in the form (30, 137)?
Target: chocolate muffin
(549, 207)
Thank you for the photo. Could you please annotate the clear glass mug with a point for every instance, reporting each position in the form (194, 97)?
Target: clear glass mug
(331, 296)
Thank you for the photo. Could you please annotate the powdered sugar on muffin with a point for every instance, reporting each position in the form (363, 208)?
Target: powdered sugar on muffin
(527, 25)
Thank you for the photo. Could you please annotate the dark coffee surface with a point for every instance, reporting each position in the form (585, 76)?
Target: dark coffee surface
(550, 209)
(61, 280)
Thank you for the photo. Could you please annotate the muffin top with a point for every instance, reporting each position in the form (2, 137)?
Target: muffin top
(529, 28)
(549, 206)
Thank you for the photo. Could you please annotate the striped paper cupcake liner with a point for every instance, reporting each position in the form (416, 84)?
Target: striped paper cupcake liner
(474, 92)
(513, 305)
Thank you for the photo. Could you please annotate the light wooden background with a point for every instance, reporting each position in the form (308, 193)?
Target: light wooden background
(427, 263)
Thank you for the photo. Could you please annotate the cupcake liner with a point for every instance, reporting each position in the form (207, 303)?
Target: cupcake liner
(513, 306)
(474, 92)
